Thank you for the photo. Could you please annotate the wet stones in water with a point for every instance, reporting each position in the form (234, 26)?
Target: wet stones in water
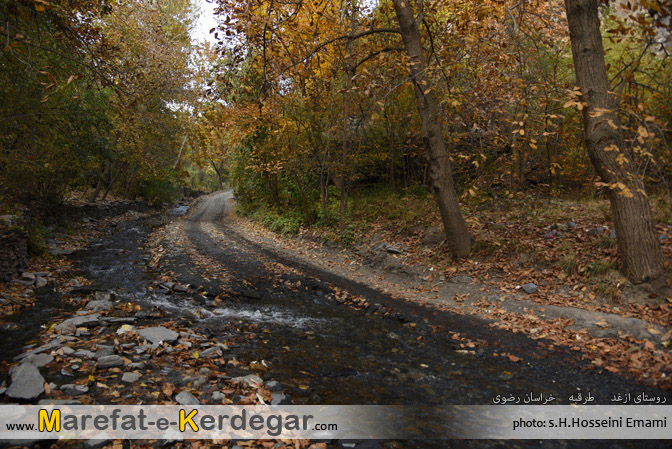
(156, 335)
(27, 382)
(186, 398)
(110, 361)
(530, 288)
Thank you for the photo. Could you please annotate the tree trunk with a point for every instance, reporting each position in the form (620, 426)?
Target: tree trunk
(346, 135)
(113, 179)
(219, 174)
(99, 185)
(638, 245)
(441, 175)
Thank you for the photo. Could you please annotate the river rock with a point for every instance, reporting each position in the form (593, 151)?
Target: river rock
(39, 360)
(393, 249)
(74, 389)
(70, 325)
(211, 352)
(103, 351)
(280, 399)
(53, 344)
(129, 378)
(218, 396)
(59, 402)
(110, 361)
(96, 444)
(85, 353)
(167, 285)
(273, 385)
(27, 382)
(98, 305)
(156, 335)
(180, 288)
(40, 282)
(530, 288)
(251, 379)
(186, 398)
(200, 382)
(102, 296)
(597, 231)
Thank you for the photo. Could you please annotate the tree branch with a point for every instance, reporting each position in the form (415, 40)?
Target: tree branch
(349, 37)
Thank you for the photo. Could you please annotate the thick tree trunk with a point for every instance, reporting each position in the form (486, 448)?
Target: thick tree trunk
(638, 245)
(440, 170)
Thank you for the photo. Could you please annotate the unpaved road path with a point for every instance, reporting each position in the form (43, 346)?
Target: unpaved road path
(396, 352)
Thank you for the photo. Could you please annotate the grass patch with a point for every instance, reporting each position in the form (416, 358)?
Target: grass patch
(600, 268)
(605, 242)
(569, 265)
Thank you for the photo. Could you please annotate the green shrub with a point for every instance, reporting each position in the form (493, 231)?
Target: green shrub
(37, 240)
